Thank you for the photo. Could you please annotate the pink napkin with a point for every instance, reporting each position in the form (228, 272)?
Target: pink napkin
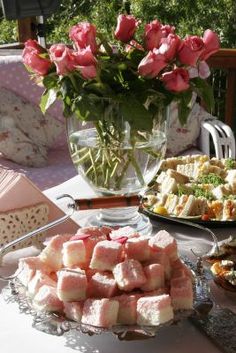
(17, 192)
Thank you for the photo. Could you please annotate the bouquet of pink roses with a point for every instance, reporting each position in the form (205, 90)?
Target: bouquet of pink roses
(95, 73)
(128, 80)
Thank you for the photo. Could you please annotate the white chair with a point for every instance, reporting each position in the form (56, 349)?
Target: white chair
(222, 137)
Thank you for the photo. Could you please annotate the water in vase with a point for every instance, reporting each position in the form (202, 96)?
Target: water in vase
(116, 168)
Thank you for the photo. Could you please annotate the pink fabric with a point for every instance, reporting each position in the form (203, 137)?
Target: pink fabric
(59, 169)
(16, 78)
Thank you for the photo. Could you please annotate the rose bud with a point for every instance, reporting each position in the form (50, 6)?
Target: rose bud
(86, 63)
(62, 57)
(211, 44)
(32, 58)
(169, 46)
(83, 35)
(152, 35)
(190, 50)
(176, 80)
(32, 44)
(152, 64)
(126, 27)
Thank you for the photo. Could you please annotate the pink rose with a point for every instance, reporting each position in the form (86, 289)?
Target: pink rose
(211, 42)
(190, 50)
(166, 30)
(63, 58)
(32, 44)
(152, 64)
(126, 27)
(152, 35)
(32, 57)
(169, 46)
(83, 35)
(176, 80)
(86, 63)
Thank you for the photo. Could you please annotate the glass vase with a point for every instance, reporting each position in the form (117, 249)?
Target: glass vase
(115, 159)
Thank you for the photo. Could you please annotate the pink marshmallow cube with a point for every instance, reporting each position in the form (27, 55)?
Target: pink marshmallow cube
(106, 255)
(159, 291)
(102, 285)
(100, 312)
(123, 232)
(181, 293)
(73, 310)
(127, 314)
(155, 277)
(90, 236)
(163, 241)
(47, 300)
(129, 275)
(71, 285)
(28, 266)
(137, 248)
(90, 273)
(179, 267)
(74, 253)
(52, 254)
(178, 273)
(162, 259)
(38, 281)
(93, 231)
(154, 310)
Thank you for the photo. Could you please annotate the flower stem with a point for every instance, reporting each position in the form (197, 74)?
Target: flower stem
(136, 167)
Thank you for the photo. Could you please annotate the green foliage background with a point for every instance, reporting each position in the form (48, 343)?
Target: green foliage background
(188, 16)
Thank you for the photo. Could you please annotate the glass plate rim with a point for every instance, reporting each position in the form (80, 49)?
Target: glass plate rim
(56, 324)
(158, 217)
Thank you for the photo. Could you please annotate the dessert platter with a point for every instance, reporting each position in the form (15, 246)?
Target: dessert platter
(223, 264)
(196, 188)
(107, 280)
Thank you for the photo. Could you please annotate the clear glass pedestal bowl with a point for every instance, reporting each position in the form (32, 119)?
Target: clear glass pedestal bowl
(117, 161)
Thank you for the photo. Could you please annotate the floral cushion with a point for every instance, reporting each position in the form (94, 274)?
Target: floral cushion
(181, 138)
(25, 133)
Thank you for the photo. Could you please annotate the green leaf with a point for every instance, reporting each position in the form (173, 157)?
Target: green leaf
(184, 105)
(66, 87)
(135, 56)
(88, 107)
(50, 81)
(47, 99)
(204, 91)
(98, 88)
(66, 110)
(183, 112)
(135, 113)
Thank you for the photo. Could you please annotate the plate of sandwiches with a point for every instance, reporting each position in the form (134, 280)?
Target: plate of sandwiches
(195, 188)
(106, 280)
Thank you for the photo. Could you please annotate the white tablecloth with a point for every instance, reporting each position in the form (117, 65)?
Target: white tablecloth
(17, 335)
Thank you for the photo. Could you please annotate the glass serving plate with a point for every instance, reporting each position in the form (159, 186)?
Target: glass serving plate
(57, 324)
(199, 176)
(213, 223)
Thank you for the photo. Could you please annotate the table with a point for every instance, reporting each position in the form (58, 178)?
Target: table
(16, 333)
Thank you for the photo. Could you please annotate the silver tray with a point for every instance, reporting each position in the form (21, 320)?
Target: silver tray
(57, 324)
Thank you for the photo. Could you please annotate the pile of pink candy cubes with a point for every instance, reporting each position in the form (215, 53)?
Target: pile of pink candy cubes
(104, 277)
